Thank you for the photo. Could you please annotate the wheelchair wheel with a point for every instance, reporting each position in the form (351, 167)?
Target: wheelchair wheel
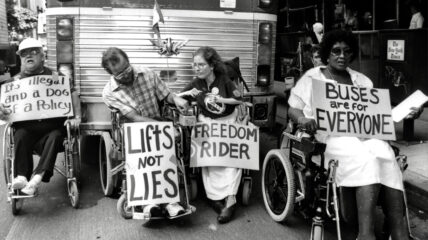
(17, 206)
(246, 191)
(73, 194)
(7, 154)
(122, 207)
(278, 186)
(106, 177)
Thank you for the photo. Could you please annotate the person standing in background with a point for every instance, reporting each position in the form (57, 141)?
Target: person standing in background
(417, 20)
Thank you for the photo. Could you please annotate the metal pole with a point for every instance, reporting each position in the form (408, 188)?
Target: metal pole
(374, 15)
(323, 13)
(397, 11)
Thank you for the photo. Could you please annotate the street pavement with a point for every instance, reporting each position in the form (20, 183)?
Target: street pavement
(50, 216)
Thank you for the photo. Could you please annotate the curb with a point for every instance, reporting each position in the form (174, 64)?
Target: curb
(416, 190)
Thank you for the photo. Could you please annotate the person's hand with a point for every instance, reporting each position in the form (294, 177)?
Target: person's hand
(415, 113)
(194, 92)
(309, 124)
(74, 122)
(4, 111)
(218, 98)
(181, 103)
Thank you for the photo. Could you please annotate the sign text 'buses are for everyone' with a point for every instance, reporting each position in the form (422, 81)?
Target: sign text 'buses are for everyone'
(347, 110)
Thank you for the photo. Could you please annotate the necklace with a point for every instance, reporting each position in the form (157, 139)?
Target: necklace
(343, 80)
(331, 75)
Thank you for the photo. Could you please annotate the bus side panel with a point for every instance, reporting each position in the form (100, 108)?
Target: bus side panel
(232, 35)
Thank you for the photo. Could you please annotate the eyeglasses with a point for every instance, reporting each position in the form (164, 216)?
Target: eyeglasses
(123, 73)
(199, 65)
(29, 51)
(338, 51)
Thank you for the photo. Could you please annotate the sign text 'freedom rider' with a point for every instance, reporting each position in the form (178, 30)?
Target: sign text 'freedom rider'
(346, 110)
(151, 168)
(222, 144)
(38, 97)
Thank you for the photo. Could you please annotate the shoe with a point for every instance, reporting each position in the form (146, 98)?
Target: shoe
(152, 210)
(30, 189)
(174, 209)
(226, 214)
(19, 182)
(217, 205)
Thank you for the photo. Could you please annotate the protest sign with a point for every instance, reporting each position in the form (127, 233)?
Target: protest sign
(37, 97)
(222, 144)
(151, 167)
(346, 110)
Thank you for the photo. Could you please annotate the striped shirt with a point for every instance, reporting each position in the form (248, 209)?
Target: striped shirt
(142, 96)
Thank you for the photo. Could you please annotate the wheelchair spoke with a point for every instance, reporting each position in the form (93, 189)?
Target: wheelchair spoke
(282, 194)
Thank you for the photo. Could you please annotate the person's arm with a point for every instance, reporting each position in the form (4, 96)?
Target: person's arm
(179, 102)
(75, 122)
(133, 116)
(77, 119)
(231, 101)
(419, 22)
(297, 116)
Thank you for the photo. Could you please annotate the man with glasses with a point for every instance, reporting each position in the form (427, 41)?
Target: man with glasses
(45, 136)
(136, 92)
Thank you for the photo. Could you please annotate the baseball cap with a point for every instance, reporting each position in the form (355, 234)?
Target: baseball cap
(29, 43)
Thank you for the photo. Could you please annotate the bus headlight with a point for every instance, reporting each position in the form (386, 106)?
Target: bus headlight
(64, 29)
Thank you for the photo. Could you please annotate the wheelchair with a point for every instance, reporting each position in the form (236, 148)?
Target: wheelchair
(294, 181)
(245, 187)
(117, 154)
(70, 170)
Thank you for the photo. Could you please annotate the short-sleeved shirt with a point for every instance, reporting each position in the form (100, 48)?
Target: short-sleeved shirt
(221, 86)
(361, 161)
(142, 96)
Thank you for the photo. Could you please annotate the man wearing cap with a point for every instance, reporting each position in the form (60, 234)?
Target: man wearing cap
(44, 136)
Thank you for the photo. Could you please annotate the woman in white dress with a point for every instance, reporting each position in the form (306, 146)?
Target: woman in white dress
(217, 97)
(366, 165)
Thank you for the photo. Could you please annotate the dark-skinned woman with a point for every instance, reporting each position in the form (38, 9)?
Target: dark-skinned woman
(367, 166)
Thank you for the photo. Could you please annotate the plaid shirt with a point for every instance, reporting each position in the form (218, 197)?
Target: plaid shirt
(142, 97)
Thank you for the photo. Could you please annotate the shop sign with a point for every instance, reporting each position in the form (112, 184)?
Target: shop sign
(395, 50)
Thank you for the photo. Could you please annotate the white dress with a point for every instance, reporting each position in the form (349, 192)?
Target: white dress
(361, 161)
(220, 182)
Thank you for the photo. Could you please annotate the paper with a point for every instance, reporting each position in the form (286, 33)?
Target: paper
(404, 108)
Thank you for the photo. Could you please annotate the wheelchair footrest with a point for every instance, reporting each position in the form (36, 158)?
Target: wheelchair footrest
(189, 210)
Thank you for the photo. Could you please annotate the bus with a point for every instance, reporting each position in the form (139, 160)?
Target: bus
(79, 30)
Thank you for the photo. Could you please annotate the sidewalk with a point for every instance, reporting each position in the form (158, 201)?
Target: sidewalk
(416, 175)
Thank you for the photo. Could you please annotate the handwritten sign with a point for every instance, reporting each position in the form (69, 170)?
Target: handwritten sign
(151, 170)
(346, 110)
(37, 97)
(395, 50)
(228, 145)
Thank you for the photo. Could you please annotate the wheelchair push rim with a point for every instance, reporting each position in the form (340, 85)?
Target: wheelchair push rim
(278, 185)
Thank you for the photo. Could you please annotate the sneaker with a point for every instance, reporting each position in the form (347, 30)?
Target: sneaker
(30, 189)
(19, 182)
(174, 209)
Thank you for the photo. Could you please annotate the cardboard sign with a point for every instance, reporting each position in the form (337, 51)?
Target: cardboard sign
(151, 168)
(346, 110)
(395, 50)
(227, 145)
(37, 97)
